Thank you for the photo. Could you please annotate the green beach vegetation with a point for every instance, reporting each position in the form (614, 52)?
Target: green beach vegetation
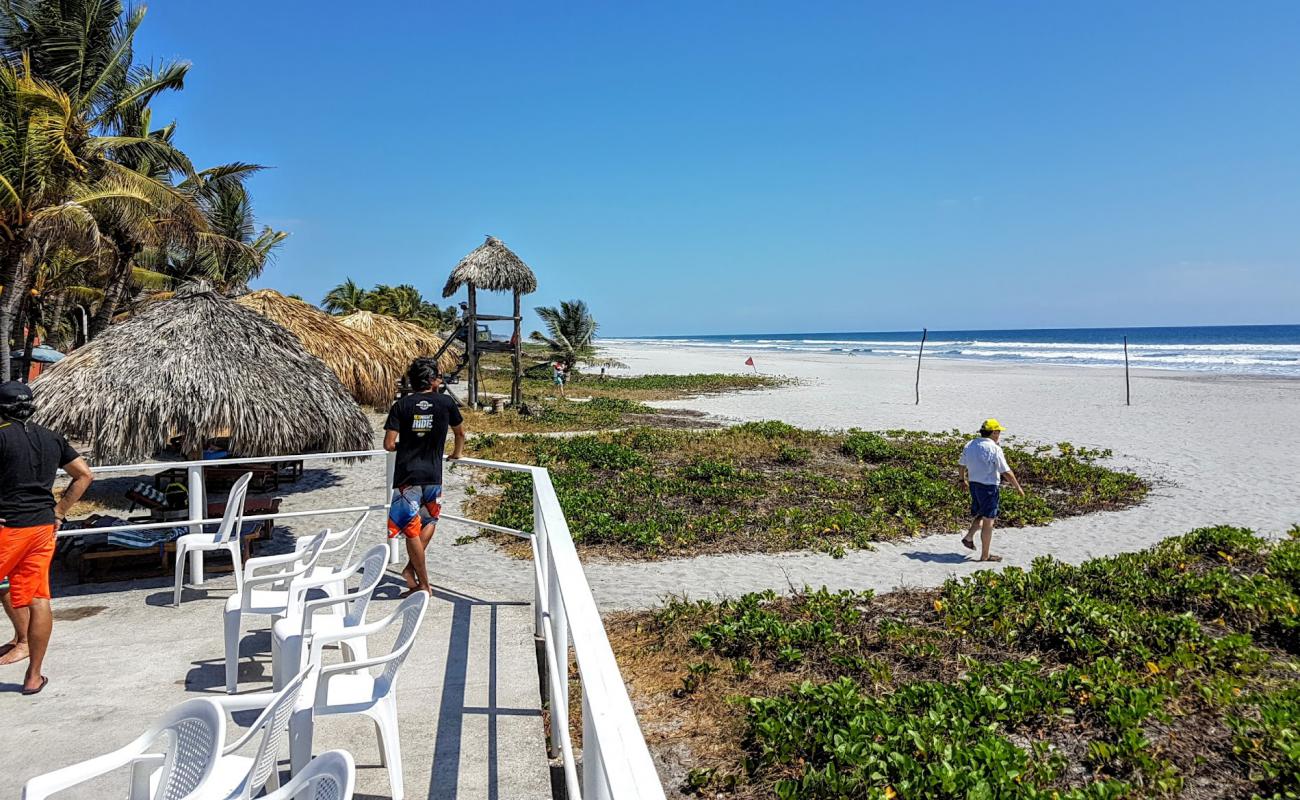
(768, 486)
(1170, 672)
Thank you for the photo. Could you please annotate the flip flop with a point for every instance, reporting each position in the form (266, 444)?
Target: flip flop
(970, 543)
(29, 692)
(991, 558)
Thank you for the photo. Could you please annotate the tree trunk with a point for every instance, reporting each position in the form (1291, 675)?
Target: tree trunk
(33, 320)
(54, 321)
(14, 277)
(113, 294)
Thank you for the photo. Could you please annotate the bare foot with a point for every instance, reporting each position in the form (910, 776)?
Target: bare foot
(13, 653)
(409, 574)
(992, 558)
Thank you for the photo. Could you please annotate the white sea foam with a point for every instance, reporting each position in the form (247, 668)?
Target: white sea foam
(1280, 358)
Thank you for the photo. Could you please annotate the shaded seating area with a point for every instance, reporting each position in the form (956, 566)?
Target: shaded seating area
(266, 477)
(92, 556)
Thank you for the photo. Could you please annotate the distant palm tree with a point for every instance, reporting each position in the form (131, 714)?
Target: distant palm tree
(345, 298)
(572, 332)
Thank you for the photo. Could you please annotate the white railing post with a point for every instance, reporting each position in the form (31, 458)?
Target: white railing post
(558, 631)
(198, 510)
(540, 574)
(594, 784)
(395, 546)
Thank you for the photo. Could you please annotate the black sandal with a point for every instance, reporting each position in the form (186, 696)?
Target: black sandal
(29, 692)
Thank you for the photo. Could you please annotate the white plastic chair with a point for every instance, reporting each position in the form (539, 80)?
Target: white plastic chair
(236, 777)
(331, 775)
(350, 688)
(283, 592)
(168, 761)
(342, 544)
(290, 635)
(226, 538)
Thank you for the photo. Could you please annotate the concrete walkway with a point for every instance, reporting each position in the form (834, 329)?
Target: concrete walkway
(471, 724)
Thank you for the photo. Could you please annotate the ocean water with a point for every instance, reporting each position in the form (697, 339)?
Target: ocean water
(1241, 349)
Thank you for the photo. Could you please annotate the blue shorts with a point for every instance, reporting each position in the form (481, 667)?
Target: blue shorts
(983, 500)
(412, 508)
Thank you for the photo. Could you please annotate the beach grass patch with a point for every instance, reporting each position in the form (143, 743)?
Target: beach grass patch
(768, 486)
(1117, 678)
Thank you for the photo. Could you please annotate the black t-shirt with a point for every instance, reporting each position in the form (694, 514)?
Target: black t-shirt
(421, 421)
(30, 456)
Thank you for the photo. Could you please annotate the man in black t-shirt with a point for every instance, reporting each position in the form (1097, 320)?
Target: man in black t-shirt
(30, 457)
(416, 430)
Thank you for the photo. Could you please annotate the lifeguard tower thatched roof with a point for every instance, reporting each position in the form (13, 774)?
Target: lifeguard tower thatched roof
(199, 366)
(402, 341)
(492, 266)
(365, 369)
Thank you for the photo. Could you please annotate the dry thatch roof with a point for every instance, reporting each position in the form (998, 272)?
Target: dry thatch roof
(366, 370)
(403, 341)
(199, 366)
(494, 267)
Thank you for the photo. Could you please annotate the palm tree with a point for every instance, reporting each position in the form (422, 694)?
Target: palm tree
(345, 298)
(83, 49)
(55, 185)
(572, 332)
(235, 252)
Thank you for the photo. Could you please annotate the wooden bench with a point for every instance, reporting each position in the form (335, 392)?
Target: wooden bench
(161, 559)
(266, 477)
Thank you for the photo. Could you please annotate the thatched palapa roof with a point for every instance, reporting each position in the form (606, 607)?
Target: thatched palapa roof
(199, 366)
(365, 369)
(403, 341)
(494, 267)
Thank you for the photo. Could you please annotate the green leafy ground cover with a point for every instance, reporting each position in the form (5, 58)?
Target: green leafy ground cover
(606, 404)
(1167, 673)
(767, 486)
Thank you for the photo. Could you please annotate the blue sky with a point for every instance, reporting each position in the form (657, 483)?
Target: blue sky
(719, 167)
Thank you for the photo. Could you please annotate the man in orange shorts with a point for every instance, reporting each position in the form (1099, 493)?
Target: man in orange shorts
(30, 458)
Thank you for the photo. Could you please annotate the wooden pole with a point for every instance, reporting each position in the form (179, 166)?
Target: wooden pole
(471, 347)
(924, 333)
(1128, 396)
(516, 386)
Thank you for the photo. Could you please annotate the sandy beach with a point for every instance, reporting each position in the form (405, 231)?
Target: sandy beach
(1218, 449)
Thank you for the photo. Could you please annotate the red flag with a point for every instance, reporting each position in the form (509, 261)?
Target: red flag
(749, 362)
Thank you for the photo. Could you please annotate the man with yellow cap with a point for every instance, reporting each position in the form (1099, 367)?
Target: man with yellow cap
(983, 468)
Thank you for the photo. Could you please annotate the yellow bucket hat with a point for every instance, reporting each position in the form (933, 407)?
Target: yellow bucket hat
(991, 424)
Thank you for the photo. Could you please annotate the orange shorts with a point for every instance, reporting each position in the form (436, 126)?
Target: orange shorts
(25, 556)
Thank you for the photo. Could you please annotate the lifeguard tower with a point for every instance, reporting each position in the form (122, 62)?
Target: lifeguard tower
(494, 267)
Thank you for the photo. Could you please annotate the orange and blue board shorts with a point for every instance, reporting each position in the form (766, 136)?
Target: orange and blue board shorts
(412, 508)
(25, 558)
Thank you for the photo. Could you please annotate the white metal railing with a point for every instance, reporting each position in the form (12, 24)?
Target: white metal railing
(616, 763)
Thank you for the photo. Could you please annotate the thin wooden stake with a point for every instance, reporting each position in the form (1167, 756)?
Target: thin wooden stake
(1128, 397)
(924, 333)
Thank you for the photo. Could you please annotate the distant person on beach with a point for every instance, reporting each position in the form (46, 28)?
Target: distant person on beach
(30, 458)
(416, 430)
(559, 375)
(983, 468)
